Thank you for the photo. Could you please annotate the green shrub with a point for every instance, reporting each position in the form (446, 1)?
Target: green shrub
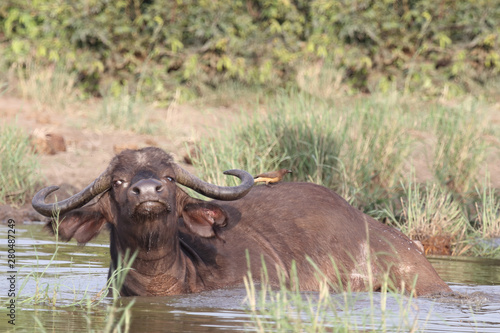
(155, 46)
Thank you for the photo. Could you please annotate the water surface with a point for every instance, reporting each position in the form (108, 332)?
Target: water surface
(79, 273)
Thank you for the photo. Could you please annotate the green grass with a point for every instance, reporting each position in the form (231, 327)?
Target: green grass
(19, 167)
(485, 217)
(429, 210)
(52, 87)
(125, 112)
(118, 312)
(287, 309)
(415, 163)
(460, 148)
(488, 210)
(362, 146)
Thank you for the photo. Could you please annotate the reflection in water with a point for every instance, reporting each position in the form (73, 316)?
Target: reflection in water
(476, 271)
(80, 272)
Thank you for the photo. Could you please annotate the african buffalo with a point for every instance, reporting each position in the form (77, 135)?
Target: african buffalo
(188, 245)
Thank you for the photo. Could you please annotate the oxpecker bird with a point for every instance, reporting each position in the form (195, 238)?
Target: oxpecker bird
(272, 176)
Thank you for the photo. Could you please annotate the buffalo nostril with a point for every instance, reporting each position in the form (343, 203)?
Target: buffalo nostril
(146, 187)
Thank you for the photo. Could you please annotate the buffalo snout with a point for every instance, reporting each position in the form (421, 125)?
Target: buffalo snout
(148, 197)
(146, 187)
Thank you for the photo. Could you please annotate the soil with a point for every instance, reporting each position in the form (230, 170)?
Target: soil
(89, 146)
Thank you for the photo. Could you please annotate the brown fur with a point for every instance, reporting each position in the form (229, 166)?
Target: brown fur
(187, 245)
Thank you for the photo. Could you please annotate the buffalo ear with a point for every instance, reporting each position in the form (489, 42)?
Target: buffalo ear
(81, 224)
(201, 218)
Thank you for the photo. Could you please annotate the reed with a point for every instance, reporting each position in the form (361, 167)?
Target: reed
(118, 311)
(123, 111)
(415, 169)
(460, 147)
(429, 210)
(52, 87)
(356, 151)
(488, 210)
(19, 167)
(287, 309)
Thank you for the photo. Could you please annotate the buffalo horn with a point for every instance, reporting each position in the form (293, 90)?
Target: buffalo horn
(101, 184)
(214, 191)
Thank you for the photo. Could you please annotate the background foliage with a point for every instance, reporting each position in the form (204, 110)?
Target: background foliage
(151, 47)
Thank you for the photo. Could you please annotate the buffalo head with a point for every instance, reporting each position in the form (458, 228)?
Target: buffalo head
(142, 203)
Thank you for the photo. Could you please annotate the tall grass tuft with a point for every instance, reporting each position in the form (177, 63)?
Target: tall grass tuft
(460, 147)
(488, 210)
(287, 309)
(365, 149)
(119, 317)
(376, 149)
(295, 135)
(125, 112)
(357, 151)
(430, 210)
(47, 86)
(19, 167)
(430, 213)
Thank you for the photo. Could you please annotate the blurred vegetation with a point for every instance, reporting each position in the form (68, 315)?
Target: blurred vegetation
(125, 112)
(19, 166)
(151, 47)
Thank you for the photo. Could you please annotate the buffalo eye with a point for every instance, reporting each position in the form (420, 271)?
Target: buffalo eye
(117, 183)
(170, 179)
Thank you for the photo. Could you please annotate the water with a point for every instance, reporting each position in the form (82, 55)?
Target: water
(80, 272)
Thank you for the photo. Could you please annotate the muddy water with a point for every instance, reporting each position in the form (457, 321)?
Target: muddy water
(79, 273)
